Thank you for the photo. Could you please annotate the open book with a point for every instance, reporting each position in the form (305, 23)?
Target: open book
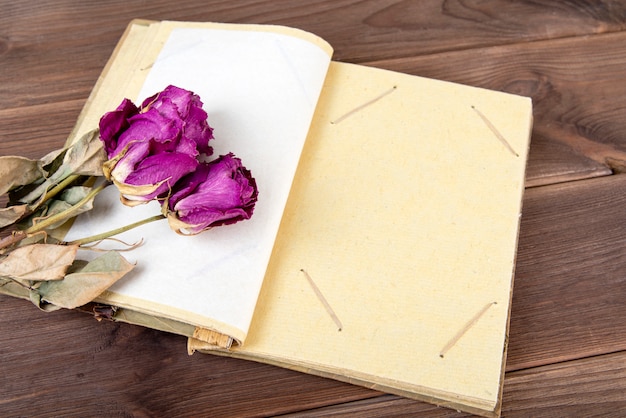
(382, 248)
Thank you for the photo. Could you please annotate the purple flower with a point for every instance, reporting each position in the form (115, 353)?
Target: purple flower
(220, 192)
(152, 147)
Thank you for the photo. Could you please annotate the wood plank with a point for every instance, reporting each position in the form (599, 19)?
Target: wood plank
(578, 87)
(379, 407)
(67, 364)
(578, 103)
(589, 387)
(51, 52)
(570, 287)
(551, 161)
(35, 130)
(573, 137)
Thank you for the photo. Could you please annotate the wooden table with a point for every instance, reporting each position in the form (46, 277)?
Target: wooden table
(567, 353)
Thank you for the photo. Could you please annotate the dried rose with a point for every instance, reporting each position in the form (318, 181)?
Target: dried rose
(152, 147)
(220, 192)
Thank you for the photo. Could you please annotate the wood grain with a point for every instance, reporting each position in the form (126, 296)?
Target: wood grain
(570, 285)
(593, 387)
(68, 364)
(577, 85)
(382, 406)
(33, 131)
(577, 102)
(53, 50)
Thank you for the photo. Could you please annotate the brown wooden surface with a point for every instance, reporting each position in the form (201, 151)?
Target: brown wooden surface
(567, 354)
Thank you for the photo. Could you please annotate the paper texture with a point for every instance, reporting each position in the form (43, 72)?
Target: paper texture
(260, 90)
(405, 214)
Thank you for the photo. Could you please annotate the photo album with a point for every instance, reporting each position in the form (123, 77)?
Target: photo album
(378, 237)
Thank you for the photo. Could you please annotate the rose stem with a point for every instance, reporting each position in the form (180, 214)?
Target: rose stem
(60, 187)
(108, 234)
(66, 214)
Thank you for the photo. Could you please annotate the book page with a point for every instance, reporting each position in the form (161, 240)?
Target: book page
(259, 88)
(395, 259)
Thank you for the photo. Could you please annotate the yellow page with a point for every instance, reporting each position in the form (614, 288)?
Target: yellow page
(259, 86)
(404, 214)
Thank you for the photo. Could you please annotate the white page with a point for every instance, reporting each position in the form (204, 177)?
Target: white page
(260, 91)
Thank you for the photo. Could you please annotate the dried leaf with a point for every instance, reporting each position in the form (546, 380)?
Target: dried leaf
(18, 171)
(54, 207)
(52, 159)
(84, 157)
(35, 197)
(36, 190)
(35, 298)
(12, 214)
(68, 198)
(87, 155)
(81, 287)
(75, 194)
(38, 262)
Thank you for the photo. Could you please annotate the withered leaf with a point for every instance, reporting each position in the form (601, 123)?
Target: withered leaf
(60, 207)
(17, 171)
(87, 155)
(81, 287)
(84, 157)
(53, 159)
(36, 196)
(37, 262)
(12, 214)
(35, 298)
(75, 194)
(75, 154)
